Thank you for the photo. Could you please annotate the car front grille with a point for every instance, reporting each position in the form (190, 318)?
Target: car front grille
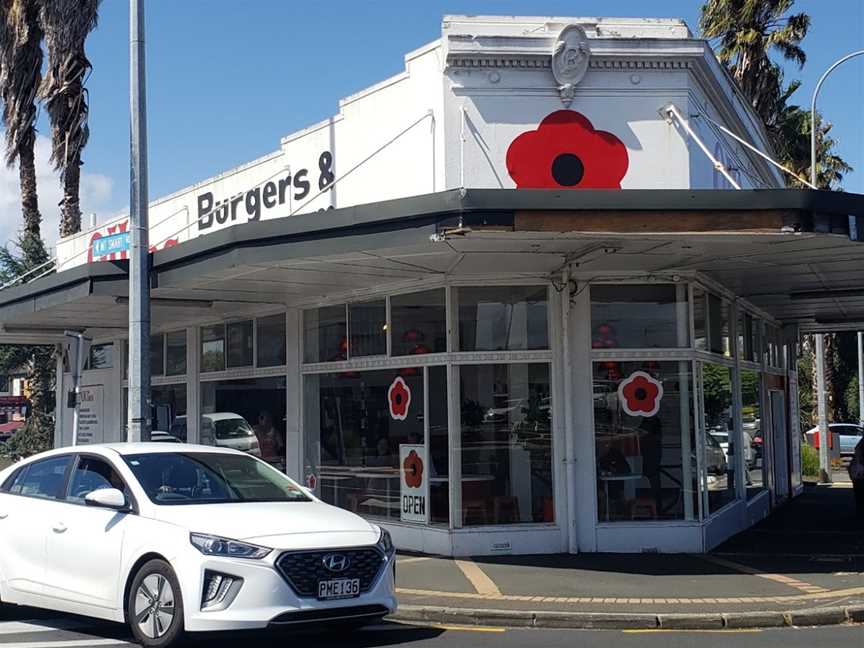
(304, 569)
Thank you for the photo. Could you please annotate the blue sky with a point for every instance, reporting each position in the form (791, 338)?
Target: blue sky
(227, 79)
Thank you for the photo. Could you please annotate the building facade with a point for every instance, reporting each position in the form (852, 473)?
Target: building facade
(519, 298)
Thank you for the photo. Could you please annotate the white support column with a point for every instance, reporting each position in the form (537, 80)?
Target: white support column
(822, 408)
(294, 447)
(193, 386)
(59, 398)
(569, 428)
(686, 400)
(861, 377)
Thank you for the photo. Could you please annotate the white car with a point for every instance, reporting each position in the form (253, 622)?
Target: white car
(184, 538)
(223, 429)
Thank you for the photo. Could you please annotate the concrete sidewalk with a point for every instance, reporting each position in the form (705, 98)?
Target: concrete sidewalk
(802, 566)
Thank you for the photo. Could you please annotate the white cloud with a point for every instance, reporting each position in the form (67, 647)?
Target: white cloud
(95, 193)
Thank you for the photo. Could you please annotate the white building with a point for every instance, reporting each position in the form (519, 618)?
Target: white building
(533, 259)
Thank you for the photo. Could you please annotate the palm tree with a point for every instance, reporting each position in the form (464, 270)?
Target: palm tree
(746, 32)
(20, 76)
(67, 24)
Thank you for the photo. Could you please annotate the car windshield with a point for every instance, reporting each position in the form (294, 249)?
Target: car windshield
(234, 428)
(176, 478)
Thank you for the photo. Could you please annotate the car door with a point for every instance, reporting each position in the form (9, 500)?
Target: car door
(28, 503)
(85, 546)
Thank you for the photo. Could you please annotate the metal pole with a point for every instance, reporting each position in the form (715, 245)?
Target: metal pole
(860, 377)
(813, 111)
(569, 428)
(822, 407)
(139, 258)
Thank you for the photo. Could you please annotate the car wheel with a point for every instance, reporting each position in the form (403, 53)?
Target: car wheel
(154, 608)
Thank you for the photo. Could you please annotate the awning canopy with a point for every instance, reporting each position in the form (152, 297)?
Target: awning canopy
(789, 252)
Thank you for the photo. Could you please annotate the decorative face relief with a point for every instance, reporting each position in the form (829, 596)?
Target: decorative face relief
(570, 60)
(566, 152)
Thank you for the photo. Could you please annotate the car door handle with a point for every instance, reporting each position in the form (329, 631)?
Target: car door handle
(59, 527)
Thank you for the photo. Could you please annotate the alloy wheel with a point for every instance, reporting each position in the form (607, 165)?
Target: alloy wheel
(154, 606)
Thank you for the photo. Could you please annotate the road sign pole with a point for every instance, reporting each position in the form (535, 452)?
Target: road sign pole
(822, 408)
(139, 257)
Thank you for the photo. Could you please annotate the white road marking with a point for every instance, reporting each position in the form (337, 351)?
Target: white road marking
(73, 643)
(49, 625)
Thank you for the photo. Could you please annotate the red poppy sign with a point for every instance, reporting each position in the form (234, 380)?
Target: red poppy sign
(566, 152)
(415, 484)
(399, 396)
(640, 394)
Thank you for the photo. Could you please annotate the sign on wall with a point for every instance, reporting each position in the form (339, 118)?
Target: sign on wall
(90, 415)
(414, 481)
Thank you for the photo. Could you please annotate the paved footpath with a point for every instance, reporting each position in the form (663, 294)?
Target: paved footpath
(802, 566)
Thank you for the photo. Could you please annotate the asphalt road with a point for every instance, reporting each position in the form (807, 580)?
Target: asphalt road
(55, 631)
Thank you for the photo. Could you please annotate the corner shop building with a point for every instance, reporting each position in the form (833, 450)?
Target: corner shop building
(507, 301)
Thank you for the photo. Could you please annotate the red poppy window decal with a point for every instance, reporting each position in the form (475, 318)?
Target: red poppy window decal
(640, 394)
(399, 395)
(413, 469)
(566, 152)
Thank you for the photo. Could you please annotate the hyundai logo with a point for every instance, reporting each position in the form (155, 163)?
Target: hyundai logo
(336, 562)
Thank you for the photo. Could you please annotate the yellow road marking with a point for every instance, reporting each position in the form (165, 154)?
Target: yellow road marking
(794, 583)
(478, 578)
(459, 628)
(718, 631)
(405, 561)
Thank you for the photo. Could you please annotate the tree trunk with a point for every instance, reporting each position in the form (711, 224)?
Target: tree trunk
(70, 210)
(32, 247)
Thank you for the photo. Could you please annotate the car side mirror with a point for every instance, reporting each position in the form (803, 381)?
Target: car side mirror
(110, 498)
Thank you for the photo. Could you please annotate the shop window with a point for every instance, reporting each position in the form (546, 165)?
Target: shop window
(419, 323)
(271, 340)
(157, 354)
(503, 318)
(721, 454)
(213, 348)
(4, 383)
(240, 344)
(718, 326)
(367, 323)
(639, 316)
(101, 356)
(754, 441)
(175, 353)
(168, 413)
(355, 424)
(645, 441)
(325, 334)
(700, 325)
(439, 447)
(756, 339)
(506, 441)
(246, 415)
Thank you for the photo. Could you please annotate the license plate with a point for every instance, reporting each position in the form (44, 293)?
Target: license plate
(341, 588)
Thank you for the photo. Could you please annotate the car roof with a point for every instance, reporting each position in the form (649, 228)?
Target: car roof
(221, 416)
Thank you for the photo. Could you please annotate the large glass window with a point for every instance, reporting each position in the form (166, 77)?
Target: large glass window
(639, 316)
(325, 334)
(439, 447)
(367, 323)
(751, 412)
(168, 404)
(719, 443)
(175, 353)
(247, 415)
(419, 323)
(213, 348)
(157, 354)
(506, 440)
(503, 318)
(719, 340)
(358, 420)
(271, 340)
(240, 344)
(645, 441)
(101, 356)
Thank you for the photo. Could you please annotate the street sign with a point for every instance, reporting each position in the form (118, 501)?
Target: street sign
(112, 244)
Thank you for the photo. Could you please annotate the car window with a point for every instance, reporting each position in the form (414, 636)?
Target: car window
(235, 428)
(7, 484)
(210, 478)
(44, 479)
(92, 473)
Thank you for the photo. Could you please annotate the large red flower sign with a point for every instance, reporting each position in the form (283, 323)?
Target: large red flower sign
(399, 396)
(640, 394)
(566, 152)
(413, 470)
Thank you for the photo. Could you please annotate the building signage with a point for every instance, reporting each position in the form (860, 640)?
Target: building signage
(90, 415)
(250, 204)
(414, 499)
(111, 244)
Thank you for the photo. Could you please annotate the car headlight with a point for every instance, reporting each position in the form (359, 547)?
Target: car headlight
(385, 543)
(211, 545)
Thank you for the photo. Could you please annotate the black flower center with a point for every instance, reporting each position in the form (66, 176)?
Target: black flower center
(398, 399)
(641, 394)
(567, 169)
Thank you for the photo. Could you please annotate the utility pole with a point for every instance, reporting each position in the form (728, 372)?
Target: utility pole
(139, 257)
(822, 407)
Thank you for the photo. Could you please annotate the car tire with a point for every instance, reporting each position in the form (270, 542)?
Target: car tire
(154, 607)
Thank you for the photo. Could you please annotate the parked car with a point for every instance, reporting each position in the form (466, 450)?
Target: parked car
(849, 435)
(184, 538)
(222, 429)
(163, 437)
(716, 462)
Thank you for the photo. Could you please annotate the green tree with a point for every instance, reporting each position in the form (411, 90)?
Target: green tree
(67, 23)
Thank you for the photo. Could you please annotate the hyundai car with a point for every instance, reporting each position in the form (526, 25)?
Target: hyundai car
(178, 539)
